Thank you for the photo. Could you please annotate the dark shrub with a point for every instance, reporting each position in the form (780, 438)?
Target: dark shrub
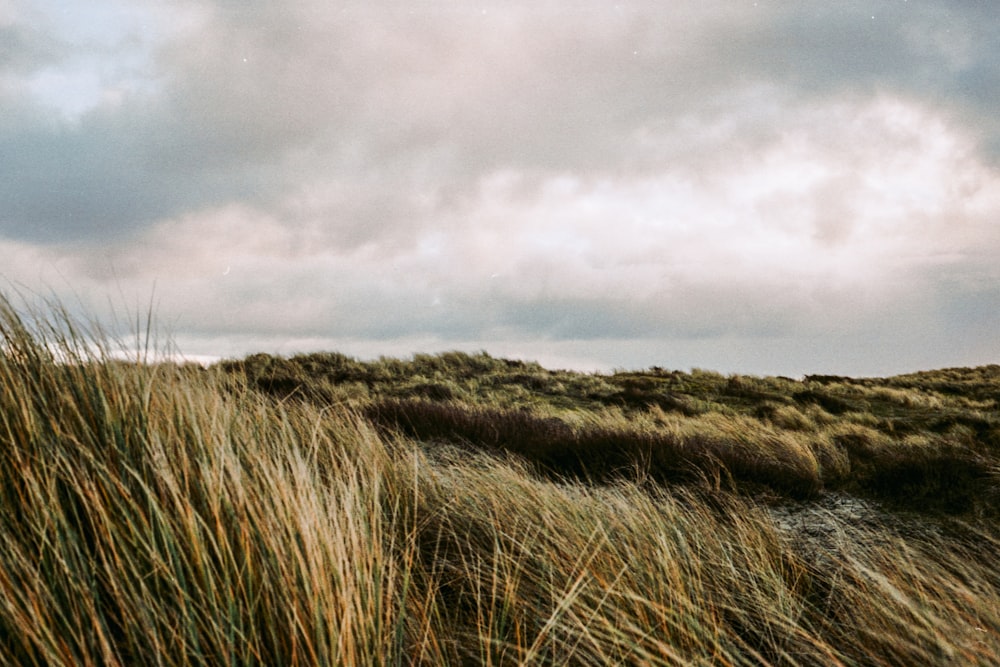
(434, 391)
(828, 379)
(831, 404)
(951, 480)
(594, 453)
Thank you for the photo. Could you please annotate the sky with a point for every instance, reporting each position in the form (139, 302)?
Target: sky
(767, 187)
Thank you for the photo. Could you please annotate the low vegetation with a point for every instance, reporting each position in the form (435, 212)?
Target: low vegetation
(928, 441)
(462, 509)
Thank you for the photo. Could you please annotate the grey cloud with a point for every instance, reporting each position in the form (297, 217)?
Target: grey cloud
(102, 181)
(61, 185)
(700, 313)
(24, 48)
(939, 52)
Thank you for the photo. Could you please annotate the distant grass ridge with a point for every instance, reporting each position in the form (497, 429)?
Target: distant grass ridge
(900, 439)
(256, 513)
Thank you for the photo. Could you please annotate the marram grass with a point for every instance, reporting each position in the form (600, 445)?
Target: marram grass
(159, 514)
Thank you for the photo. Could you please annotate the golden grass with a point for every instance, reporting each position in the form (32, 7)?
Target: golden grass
(164, 515)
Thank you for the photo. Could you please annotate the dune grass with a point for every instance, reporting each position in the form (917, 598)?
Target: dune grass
(159, 514)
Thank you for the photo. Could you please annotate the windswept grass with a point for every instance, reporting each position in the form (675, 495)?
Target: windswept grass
(612, 447)
(148, 517)
(169, 515)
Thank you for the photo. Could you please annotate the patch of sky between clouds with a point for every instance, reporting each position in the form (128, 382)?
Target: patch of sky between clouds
(109, 48)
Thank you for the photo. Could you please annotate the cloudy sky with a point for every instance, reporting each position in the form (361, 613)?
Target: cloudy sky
(767, 187)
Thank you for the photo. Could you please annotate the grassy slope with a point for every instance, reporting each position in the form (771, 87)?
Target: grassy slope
(348, 513)
(928, 441)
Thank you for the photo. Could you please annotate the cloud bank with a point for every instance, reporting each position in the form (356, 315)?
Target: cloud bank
(754, 187)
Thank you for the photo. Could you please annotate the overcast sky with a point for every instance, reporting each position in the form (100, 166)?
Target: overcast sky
(767, 187)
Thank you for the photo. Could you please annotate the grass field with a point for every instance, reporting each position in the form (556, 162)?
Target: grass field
(461, 509)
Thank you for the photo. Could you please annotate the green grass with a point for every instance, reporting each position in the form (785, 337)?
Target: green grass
(461, 509)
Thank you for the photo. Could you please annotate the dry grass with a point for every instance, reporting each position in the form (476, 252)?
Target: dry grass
(163, 515)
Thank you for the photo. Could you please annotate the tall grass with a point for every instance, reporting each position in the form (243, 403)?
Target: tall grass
(150, 518)
(166, 515)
